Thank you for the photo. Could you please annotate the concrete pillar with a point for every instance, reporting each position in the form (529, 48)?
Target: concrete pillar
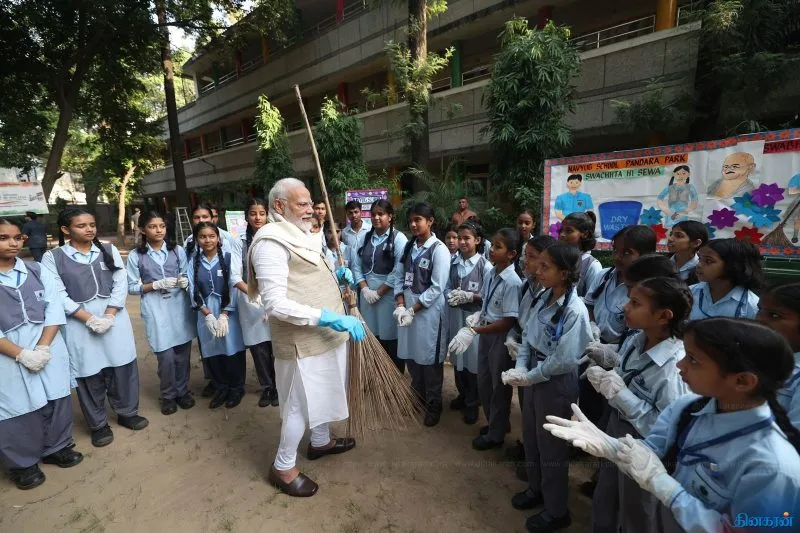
(391, 85)
(544, 15)
(187, 148)
(203, 145)
(222, 138)
(339, 11)
(666, 14)
(456, 65)
(215, 75)
(196, 85)
(341, 94)
(245, 130)
(237, 57)
(264, 49)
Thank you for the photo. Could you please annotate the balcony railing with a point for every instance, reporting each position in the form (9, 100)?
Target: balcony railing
(615, 34)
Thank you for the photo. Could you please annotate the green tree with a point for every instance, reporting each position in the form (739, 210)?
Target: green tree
(273, 161)
(527, 100)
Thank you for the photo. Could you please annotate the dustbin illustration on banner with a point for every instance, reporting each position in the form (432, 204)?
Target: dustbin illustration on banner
(616, 215)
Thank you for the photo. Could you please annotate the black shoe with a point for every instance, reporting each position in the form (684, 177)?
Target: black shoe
(234, 399)
(516, 452)
(544, 523)
(134, 422)
(208, 390)
(186, 401)
(485, 429)
(587, 488)
(168, 407)
(457, 403)
(526, 500)
(273, 399)
(522, 472)
(339, 446)
(27, 478)
(432, 418)
(266, 398)
(65, 458)
(102, 437)
(470, 415)
(218, 399)
(481, 443)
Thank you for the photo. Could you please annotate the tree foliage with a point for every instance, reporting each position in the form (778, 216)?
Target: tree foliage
(273, 161)
(528, 98)
(658, 110)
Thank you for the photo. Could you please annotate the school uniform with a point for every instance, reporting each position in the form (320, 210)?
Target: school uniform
(167, 315)
(468, 275)
(225, 355)
(104, 364)
(423, 344)
(590, 270)
(372, 266)
(353, 238)
(789, 395)
(550, 354)
(256, 334)
(529, 294)
(653, 383)
(738, 303)
(688, 269)
(607, 306)
(731, 466)
(500, 300)
(35, 408)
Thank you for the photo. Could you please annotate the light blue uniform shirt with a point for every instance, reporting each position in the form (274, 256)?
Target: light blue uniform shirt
(333, 257)
(555, 356)
(756, 473)
(23, 391)
(686, 270)
(652, 378)
(500, 295)
(569, 203)
(739, 303)
(399, 244)
(229, 243)
(789, 395)
(591, 269)
(607, 307)
(353, 238)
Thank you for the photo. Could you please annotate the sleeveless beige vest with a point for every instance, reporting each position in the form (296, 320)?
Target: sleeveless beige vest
(311, 282)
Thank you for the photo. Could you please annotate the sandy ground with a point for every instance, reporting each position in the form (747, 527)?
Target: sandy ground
(205, 471)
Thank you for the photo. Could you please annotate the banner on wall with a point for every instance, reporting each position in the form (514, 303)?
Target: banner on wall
(16, 199)
(366, 197)
(745, 187)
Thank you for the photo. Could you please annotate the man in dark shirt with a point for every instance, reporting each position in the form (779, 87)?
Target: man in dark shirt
(35, 233)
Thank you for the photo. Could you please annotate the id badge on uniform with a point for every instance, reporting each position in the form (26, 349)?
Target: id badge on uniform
(472, 286)
(39, 295)
(219, 272)
(425, 263)
(409, 279)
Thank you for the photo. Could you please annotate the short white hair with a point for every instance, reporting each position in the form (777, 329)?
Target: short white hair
(280, 191)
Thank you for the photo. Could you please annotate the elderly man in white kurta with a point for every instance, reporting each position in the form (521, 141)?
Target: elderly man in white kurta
(300, 293)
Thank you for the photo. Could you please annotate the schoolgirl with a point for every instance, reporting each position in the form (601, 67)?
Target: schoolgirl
(330, 247)
(554, 336)
(218, 328)
(779, 308)
(685, 240)
(729, 271)
(723, 461)
(525, 224)
(577, 229)
(376, 270)
(157, 272)
(35, 402)
(468, 272)
(252, 316)
(451, 239)
(641, 386)
(419, 311)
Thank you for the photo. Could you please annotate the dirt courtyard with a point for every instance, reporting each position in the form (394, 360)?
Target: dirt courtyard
(205, 471)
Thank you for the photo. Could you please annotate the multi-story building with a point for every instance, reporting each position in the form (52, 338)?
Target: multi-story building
(625, 45)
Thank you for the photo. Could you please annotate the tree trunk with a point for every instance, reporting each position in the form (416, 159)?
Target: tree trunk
(123, 189)
(181, 192)
(418, 46)
(92, 191)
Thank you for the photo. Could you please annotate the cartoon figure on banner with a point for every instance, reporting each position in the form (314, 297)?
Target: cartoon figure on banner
(678, 199)
(735, 180)
(573, 201)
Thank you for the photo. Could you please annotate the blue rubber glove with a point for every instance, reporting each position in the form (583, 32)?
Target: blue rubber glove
(350, 324)
(344, 274)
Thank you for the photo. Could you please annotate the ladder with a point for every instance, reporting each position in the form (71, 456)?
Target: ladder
(184, 226)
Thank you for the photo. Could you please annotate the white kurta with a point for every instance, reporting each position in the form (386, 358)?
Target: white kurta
(323, 377)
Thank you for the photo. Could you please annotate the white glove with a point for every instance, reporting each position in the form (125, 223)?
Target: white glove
(211, 324)
(512, 345)
(182, 282)
(222, 326)
(42, 348)
(166, 284)
(595, 332)
(583, 434)
(602, 354)
(100, 325)
(595, 376)
(34, 360)
(407, 318)
(642, 465)
(398, 314)
(458, 297)
(370, 295)
(516, 377)
(611, 384)
(461, 341)
(473, 319)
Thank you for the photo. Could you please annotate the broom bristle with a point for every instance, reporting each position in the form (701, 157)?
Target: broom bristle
(378, 395)
(777, 237)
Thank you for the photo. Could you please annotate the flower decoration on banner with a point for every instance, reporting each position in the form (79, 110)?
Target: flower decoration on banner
(723, 218)
(661, 231)
(555, 229)
(745, 205)
(749, 234)
(765, 217)
(651, 216)
(712, 231)
(767, 194)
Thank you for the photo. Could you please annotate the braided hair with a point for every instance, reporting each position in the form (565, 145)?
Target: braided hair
(65, 220)
(477, 231)
(250, 232)
(425, 210)
(739, 345)
(388, 251)
(673, 294)
(566, 258)
(144, 220)
(197, 298)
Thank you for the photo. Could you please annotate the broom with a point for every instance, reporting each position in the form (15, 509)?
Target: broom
(777, 237)
(378, 395)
